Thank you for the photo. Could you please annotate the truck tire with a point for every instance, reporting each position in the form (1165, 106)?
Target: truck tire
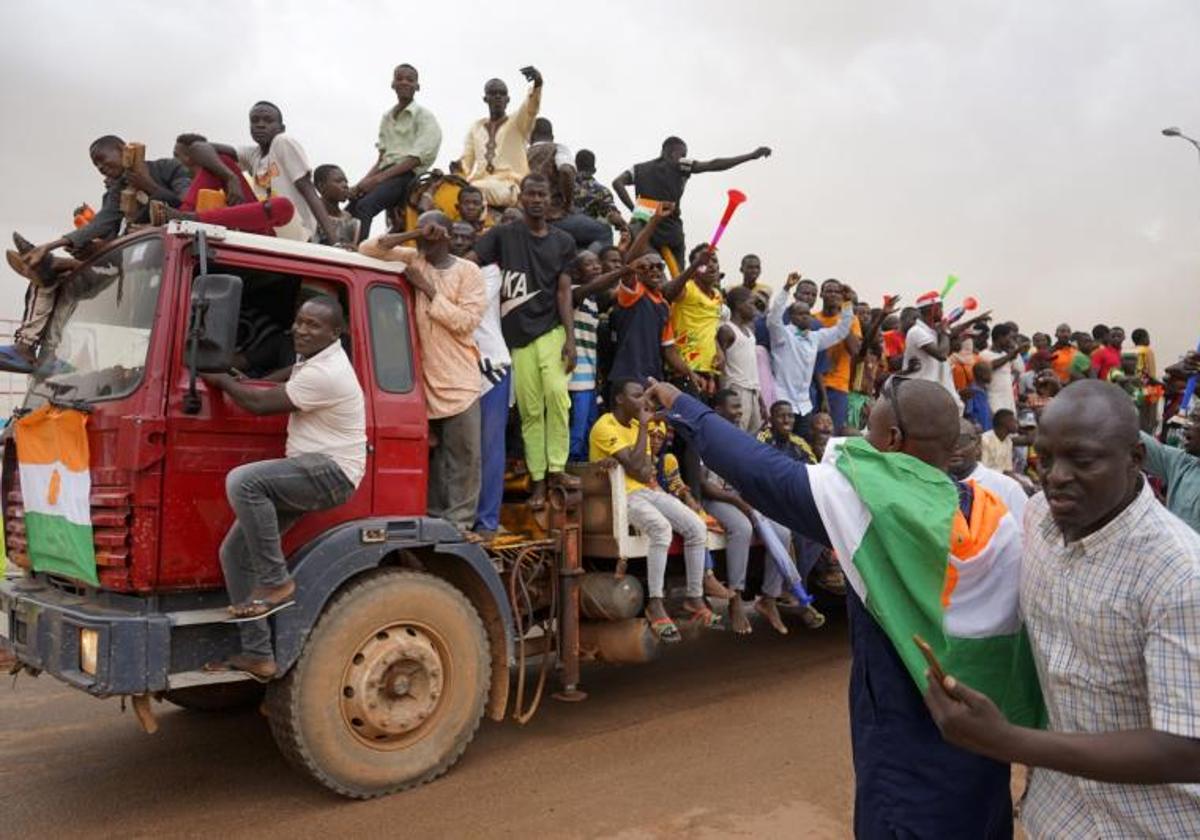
(389, 689)
(223, 697)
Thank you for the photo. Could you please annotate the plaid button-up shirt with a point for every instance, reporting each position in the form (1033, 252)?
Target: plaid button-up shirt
(1114, 620)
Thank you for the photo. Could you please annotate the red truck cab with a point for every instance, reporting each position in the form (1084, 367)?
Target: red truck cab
(118, 348)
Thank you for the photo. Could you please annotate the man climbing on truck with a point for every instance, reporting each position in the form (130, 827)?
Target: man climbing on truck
(325, 459)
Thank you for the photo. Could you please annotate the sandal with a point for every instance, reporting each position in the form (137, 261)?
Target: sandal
(257, 608)
(704, 618)
(261, 670)
(812, 618)
(832, 580)
(664, 629)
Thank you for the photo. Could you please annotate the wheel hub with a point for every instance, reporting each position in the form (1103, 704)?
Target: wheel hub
(393, 683)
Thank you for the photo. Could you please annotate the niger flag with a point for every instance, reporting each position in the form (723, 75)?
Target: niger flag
(922, 566)
(56, 485)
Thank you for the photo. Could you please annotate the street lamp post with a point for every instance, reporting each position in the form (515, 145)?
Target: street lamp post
(1190, 390)
(1174, 131)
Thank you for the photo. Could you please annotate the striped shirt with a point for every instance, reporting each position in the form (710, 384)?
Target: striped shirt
(587, 317)
(1114, 620)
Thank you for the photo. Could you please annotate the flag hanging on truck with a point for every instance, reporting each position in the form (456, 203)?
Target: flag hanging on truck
(56, 486)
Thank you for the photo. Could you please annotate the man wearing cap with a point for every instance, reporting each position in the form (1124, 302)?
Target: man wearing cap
(927, 346)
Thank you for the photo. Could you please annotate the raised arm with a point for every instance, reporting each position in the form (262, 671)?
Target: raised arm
(722, 164)
(641, 245)
(526, 115)
(601, 284)
(674, 287)
(828, 336)
(1161, 460)
(769, 481)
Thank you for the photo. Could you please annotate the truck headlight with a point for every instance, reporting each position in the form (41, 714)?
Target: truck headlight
(89, 650)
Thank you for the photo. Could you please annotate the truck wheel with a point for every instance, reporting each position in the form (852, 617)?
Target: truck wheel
(389, 689)
(222, 697)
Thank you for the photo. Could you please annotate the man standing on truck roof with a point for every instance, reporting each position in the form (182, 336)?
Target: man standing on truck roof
(664, 179)
(163, 180)
(409, 139)
(325, 459)
(449, 306)
(537, 315)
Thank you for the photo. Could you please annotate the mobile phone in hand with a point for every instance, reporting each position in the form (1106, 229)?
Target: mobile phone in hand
(935, 667)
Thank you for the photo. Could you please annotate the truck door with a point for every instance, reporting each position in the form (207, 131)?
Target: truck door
(401, 458)
(203, 447)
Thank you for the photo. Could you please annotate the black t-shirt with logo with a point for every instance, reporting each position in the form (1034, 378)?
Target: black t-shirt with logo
(530, 267)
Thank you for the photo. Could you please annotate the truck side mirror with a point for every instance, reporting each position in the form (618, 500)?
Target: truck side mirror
(212, 333)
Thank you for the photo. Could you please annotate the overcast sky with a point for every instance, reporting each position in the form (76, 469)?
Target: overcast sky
(1013, 142)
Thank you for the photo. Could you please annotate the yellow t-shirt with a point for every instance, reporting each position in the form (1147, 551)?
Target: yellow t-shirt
(608, 437)
(838, 376)
(695, 318)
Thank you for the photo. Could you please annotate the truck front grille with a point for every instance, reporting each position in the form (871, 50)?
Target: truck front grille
(112, 516)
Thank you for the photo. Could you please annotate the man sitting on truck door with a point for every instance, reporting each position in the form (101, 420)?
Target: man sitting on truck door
(164, 180)
(537, 316)
(449, 306)
(325, 458)
(622, 435)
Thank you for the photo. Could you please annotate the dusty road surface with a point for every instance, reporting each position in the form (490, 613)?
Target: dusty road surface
(725, 737)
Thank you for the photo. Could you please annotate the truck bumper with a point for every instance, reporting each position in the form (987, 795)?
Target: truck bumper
(55, 632)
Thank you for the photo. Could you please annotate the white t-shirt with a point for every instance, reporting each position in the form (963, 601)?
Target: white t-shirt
(1006, 488)
(920, 336)
(494, 358)
(329, 418)
(276, 173)
(1000, 390)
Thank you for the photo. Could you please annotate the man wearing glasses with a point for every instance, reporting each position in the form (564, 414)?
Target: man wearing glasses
(909, 781)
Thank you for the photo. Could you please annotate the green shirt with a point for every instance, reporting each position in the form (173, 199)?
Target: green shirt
(412, 133)
(1181, 472)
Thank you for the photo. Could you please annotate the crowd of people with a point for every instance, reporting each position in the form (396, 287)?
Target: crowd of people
(536, 290)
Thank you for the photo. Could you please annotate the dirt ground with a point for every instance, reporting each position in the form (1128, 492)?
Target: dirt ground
(724, 737)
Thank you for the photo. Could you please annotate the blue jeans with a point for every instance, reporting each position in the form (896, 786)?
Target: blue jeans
(839, 408)
(387, 195)
(268, 497)
(493, 418)
(584, 414)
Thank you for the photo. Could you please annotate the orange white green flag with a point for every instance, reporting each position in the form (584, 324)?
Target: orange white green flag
(922, 566)
(56, 485)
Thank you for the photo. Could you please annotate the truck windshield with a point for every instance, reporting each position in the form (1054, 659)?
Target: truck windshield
(96, 344)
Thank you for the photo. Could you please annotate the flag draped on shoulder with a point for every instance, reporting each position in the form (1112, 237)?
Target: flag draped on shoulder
(921, 565)
(56, 485)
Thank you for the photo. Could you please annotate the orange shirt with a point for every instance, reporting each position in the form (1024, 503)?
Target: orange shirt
(1062, 359)
(962, 367)
(838, 376)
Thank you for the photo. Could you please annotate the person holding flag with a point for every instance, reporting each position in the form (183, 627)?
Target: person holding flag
(1110, 592)
(923, 554)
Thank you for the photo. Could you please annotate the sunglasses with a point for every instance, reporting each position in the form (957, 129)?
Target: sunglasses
(891, 390)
